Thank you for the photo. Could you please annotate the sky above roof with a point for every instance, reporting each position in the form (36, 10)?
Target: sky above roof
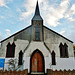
(58, 15)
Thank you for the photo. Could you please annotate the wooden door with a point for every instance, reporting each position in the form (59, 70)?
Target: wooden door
(37, 62)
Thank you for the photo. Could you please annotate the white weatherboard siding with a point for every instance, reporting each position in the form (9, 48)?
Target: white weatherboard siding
(20, 45)
(47, 63)
(37, 45)
(27, 64)
(64, 63)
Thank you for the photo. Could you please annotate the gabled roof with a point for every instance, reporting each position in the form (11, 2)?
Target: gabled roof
(58, 34)
(43, 26)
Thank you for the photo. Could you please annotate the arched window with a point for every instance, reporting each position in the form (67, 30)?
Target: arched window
(37, 33)
(13, 49)
(10, 50)
(61, 50)
(20, 58)
(65, 50)
(53, 58)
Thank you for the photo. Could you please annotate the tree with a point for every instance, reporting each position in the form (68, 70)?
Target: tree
(74, 47)
(11, 64)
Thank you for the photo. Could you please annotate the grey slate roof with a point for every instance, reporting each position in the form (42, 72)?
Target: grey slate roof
(37, 17)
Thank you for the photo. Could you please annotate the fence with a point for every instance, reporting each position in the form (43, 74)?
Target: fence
(69, 72)
(24, 72)
(49, 72)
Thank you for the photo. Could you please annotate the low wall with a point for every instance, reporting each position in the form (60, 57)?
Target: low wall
(24, 72)
(60, 72)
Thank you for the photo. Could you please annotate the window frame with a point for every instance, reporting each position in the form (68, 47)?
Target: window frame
(36, 28)
(53, 58)
(9, 50)
(20, 61)
(63, 51)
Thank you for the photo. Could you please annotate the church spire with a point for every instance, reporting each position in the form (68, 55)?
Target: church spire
(37, 13)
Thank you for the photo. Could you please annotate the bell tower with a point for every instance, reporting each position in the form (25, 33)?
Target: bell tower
(37, 25)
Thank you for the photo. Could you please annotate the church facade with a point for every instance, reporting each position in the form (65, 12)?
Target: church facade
(38, 48)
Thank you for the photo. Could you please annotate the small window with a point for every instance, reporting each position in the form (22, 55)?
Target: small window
(37, 33)
(53, 58)
(10, 50)
(13, 49)
(63, 50)
(20, 58)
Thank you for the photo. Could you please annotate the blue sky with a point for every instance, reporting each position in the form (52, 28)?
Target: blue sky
(58, 15)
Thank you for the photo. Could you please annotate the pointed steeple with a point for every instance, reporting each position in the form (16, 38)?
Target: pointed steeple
(37, 13)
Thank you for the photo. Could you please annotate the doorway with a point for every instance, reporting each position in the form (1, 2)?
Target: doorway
(37, 62)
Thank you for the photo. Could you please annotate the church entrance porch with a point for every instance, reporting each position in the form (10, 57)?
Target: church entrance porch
(37, 63)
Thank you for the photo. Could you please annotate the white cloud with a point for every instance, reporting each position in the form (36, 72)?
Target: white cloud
(7, 32)
(72, 10)
(63, 32)
(71, 19)
(3, 3)
(54, 14)
(29, 7)
(2, 17)
(70, 13)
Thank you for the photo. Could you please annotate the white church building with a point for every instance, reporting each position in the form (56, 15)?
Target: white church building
(37, 48)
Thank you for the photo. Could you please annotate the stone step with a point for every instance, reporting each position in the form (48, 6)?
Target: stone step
(37, 73)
